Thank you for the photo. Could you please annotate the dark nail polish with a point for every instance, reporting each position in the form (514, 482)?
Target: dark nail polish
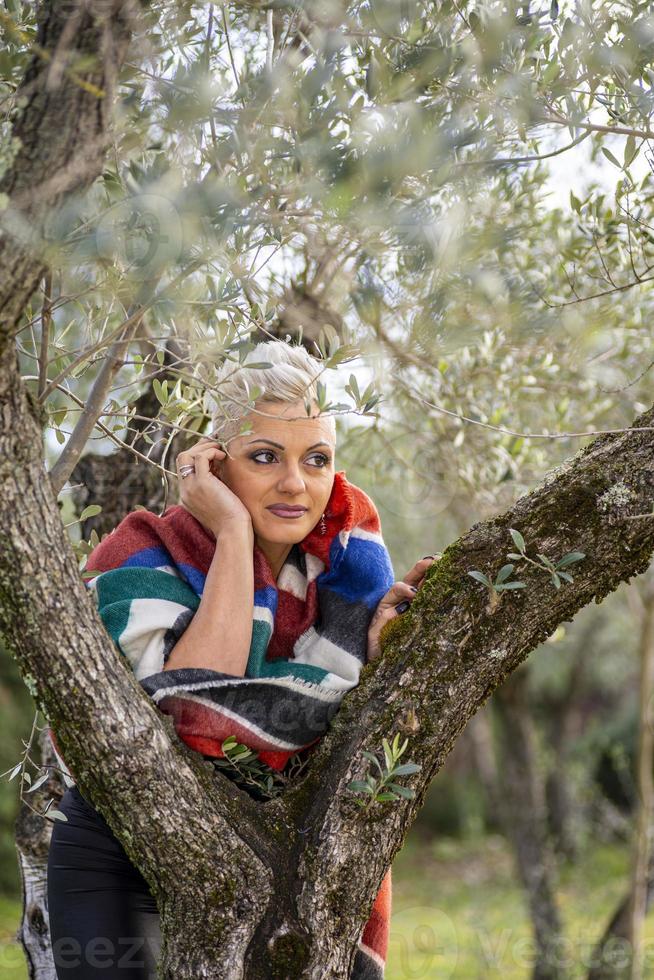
(402, 606)
(414, 588)
(427, 556)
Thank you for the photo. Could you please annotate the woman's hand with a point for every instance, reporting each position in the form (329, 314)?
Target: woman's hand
(204, 494)
(396, 601)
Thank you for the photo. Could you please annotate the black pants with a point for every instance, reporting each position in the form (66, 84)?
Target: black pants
(104, 922)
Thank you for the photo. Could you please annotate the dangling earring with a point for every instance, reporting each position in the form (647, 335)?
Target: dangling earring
(323, 525)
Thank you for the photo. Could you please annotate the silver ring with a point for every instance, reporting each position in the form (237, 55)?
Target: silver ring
(186, 470)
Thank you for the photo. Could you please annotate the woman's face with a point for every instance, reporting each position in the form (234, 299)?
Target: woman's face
(287, 459)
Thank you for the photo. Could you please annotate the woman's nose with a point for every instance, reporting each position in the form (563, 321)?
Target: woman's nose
(291, 480)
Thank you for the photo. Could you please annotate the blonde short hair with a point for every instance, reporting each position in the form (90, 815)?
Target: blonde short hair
(292, 376)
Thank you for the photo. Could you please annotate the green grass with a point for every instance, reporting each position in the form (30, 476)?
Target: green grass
(458, 912)
(12, 958)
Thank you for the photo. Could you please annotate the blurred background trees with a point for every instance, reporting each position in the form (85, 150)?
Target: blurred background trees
(452, 203)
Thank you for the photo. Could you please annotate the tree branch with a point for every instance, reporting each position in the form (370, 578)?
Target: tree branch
(63, 129)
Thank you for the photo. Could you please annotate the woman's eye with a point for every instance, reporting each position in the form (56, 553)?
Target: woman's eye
(324, 460)
(263, 452)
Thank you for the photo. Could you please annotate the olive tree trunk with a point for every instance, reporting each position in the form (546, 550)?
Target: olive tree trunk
(642, 844)
(620, 953)
(116, 482)
(32, 838)
(563, 722)
(524, 817)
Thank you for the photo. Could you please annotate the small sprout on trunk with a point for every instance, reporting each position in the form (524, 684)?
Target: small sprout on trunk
(545, 564)
(501, 584)
(249, 772)
(380, 787)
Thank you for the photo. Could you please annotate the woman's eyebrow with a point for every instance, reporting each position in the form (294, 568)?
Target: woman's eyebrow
(278, 445)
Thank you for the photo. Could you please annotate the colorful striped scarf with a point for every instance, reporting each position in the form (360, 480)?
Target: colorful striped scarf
(309, 638)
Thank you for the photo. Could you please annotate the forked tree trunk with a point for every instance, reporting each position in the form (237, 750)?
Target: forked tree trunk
(254, 890)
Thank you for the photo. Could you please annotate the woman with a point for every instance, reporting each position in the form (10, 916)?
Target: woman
(247, 609)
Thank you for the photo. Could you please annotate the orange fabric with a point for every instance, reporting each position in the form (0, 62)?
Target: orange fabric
(376, 931)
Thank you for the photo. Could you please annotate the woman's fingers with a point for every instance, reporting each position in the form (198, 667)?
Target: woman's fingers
(202, 448)
(396, 601)
(398, 589)
(416, 574)
(199, 453)
(399, 592)
(386, 605)
(208, 444)
(201, 461)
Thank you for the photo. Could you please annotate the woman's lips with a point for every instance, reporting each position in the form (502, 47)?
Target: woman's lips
(282, 512)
